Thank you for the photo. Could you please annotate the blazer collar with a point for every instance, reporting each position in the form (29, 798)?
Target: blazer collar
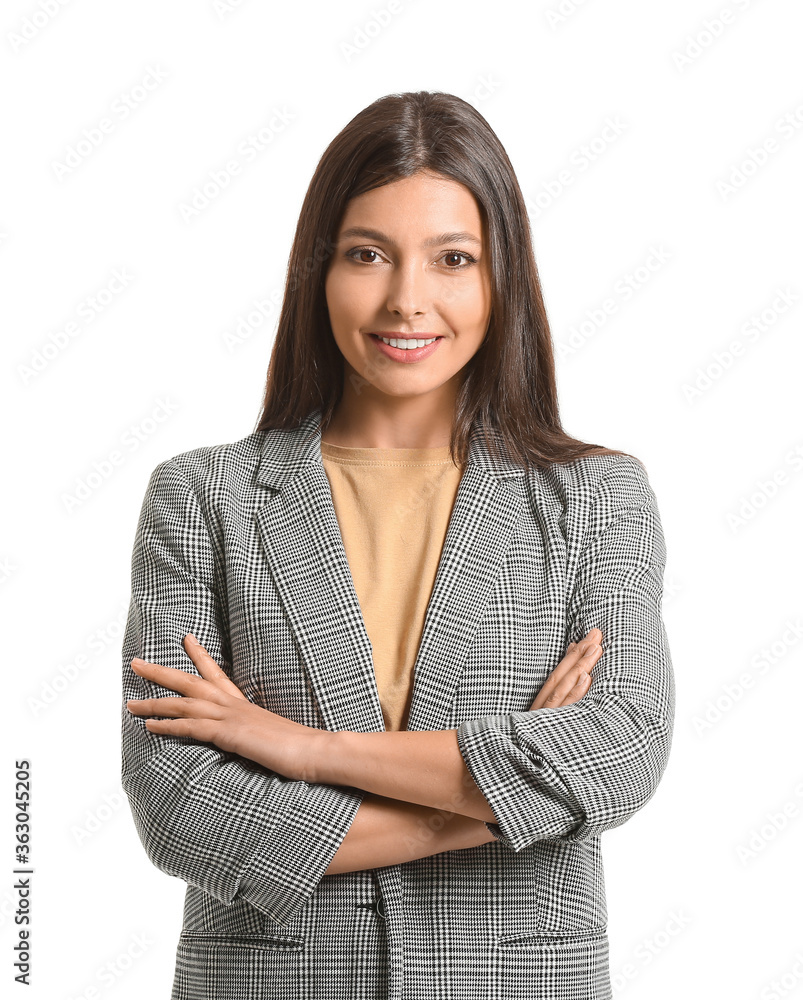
(307, 560)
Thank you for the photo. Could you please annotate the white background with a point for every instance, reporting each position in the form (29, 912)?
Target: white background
(697, 197)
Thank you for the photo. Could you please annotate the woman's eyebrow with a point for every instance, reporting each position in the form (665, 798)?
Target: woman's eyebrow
(433, 241)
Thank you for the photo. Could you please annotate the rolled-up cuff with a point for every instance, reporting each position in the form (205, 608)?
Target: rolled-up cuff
(525, 794)
(284, 873)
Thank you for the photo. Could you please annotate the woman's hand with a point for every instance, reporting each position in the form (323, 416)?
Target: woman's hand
(214, 710)
(571, 678)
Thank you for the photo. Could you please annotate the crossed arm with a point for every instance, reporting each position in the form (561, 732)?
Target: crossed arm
(421, 798)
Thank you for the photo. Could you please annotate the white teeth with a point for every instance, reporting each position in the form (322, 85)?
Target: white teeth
(408, 345)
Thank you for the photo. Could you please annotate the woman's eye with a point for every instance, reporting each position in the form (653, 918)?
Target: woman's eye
(457, 253)
(356, 254)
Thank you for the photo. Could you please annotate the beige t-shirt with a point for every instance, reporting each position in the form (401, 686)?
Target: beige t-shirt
(393, 506)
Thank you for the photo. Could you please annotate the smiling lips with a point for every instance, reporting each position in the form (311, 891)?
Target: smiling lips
(405, 340)
(401, 347)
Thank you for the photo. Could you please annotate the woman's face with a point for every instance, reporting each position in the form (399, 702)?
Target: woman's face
(410, 262)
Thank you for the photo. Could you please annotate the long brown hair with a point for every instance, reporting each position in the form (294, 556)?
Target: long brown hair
(509, 385)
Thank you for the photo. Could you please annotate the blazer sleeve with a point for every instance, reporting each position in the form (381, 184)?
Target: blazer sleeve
(573, 772)
(218, 821)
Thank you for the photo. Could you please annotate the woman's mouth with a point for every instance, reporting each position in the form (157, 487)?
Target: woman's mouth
(405, 349)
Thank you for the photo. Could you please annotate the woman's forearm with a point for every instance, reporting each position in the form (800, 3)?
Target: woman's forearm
(388, 832)
(422, 767)
(425, 767)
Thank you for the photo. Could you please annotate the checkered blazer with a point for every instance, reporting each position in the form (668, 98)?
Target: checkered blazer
(240, 545)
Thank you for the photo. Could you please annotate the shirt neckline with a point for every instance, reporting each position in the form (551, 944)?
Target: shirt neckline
(385, 456)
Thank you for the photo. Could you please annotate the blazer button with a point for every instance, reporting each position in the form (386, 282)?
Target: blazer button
(380, 907)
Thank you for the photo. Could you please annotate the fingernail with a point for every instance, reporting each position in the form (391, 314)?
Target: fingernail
(592, 650)
(583, 679)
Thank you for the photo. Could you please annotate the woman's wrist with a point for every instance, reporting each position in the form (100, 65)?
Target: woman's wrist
(424, 768)
(388, 832)
(319, 752)
(329, 756)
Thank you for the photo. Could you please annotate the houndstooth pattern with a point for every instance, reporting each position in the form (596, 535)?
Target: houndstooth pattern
(240, 545)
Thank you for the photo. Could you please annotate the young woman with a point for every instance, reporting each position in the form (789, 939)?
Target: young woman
(360, 717)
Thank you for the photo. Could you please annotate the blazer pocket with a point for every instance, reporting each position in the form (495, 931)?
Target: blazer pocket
(230, 967)
(264, 942)
(559, 966)
(569, 939)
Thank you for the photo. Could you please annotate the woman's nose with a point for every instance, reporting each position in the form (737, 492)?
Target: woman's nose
(408, 293)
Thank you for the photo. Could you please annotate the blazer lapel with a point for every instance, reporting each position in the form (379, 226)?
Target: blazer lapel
(301, 536)
(486, 512)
